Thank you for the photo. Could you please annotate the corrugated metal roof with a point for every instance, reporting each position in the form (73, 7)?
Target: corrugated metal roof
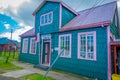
(7, 41)
(93, 17)
(31, 32)
(4, 40)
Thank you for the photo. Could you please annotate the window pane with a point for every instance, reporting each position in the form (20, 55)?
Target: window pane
(42, 20)
(67, 51)
(32, 46)
(90, 55)
(65, 43)
(50, 17)
(46, 19)
(83, 45)
(62, 45)
(83, 54)
(25, 45)
(90, 45)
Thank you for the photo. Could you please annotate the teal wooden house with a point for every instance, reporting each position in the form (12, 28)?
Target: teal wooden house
(85, 37)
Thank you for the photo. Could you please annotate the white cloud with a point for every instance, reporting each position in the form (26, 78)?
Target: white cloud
(20, 10)
(119, 4)
(7, 26)
(21, 24)
(15, 34)
(14, 3)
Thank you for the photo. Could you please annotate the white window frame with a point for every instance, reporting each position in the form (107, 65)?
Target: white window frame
(64, 35)
(86, 33)
(46, 14)
(23, 46)
(31, 46)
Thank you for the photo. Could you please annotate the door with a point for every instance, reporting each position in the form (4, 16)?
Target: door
(46, 53)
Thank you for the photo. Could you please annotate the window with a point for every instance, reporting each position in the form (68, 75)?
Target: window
(46, 18)
(25, 45)
(65, 43)
(32, 46)
(87, 45)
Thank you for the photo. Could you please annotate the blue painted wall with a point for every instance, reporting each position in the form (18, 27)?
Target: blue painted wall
(47, 7)
(95, 69)
(114, 29)
(27, 57)
(46, 29)
(67, 16)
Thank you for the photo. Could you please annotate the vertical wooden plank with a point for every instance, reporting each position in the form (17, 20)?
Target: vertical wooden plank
(115, 62)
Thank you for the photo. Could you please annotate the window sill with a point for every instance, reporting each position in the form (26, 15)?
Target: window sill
(64, 57)
(33, 53)
(45, 24)
(24, 52)
(87, 59)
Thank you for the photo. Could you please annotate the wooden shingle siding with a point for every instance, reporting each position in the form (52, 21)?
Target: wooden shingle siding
(27, 57)
(66, 16)
(97, 69)
(114, 28)
(54, 26)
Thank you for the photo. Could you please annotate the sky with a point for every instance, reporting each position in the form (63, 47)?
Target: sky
(17, 14)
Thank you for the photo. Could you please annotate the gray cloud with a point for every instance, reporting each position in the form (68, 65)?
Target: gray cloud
(24, 12)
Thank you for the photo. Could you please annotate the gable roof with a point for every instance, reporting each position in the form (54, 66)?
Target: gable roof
(93, 17)
(30, 32)
(5, 40)
(59, 1)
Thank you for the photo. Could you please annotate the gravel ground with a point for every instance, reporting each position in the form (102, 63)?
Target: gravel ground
(7, 78)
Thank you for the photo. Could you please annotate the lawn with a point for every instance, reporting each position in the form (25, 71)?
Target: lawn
(13, 56)
(8, 66)
(35, 77)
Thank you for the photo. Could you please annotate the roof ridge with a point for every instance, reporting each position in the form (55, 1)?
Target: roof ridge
(59, 1)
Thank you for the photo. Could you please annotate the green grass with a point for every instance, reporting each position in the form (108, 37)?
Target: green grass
(35, 77)
(11, 57)
(8, 66)
(1, 72)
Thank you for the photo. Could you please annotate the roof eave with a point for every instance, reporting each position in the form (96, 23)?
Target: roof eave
(94, 25)
(26, 35)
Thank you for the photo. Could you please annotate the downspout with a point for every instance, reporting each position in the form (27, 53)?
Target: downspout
(109, 53)
(39, 46)
(60, 16)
